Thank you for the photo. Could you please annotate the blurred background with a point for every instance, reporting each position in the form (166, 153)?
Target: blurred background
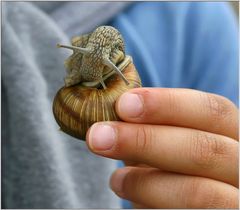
(42, 167)
(235, 6)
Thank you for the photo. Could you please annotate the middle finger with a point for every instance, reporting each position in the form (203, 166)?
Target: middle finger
(169, 148)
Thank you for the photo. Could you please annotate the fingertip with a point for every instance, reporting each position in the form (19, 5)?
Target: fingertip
(101, 137)
(130, 105)
(117, 180)
(87, 138)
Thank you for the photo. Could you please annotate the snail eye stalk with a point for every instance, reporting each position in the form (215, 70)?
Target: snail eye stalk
(80, 49)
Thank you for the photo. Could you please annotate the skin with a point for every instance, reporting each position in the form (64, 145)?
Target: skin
(180, 147)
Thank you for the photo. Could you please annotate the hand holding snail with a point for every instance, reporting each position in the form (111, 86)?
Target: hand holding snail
(98, 73)
(180, 145)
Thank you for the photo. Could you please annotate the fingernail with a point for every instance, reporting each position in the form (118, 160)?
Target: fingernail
(131, 104)
(101, 137)
(116, 181)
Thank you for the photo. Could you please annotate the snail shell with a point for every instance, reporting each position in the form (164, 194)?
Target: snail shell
(77, 107)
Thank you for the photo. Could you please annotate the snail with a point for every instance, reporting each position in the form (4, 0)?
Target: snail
(98, 72)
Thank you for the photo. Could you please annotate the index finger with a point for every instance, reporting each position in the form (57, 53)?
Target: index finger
(180, 107)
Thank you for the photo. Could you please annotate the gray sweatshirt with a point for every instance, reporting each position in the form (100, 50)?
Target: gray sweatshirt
(41, 166)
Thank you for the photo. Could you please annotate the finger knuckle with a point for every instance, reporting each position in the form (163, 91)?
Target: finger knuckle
(206, 150)
(143, 139)
(133, 184)
(173, 103)
(191, 193)
(218, 108)
(202, 194)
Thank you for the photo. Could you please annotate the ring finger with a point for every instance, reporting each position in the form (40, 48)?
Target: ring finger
(155, 189)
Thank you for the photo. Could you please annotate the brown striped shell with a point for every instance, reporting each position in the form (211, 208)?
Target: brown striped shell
(76, 108)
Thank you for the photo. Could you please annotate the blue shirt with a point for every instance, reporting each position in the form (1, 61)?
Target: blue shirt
(183, 45)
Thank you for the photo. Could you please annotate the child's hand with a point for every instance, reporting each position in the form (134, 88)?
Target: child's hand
(180, 146)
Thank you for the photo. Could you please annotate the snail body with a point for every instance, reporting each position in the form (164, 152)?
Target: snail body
(95, 55)
(92, 85)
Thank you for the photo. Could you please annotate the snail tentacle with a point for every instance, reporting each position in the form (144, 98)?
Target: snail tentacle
(103, 84)
(121, 67)
(111, 65)
(80, 49)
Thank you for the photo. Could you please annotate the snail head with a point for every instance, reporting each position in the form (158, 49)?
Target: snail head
(105, 43)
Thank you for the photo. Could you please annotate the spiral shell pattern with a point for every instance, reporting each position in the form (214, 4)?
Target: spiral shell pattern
(76, 108)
